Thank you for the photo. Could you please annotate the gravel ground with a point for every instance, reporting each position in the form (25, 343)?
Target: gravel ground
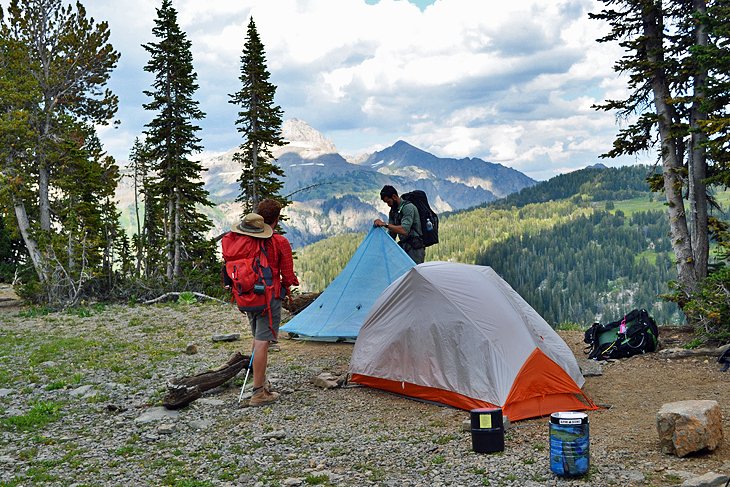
(80, 396)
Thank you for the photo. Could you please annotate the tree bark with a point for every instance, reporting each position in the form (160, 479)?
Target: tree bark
(698, 158)
(30, 244)
(177, 238)
(169, 236)
(44, 205)
(138, 265)
(671, 159)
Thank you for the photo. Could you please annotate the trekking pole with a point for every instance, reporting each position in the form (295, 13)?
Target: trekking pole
(245, 379)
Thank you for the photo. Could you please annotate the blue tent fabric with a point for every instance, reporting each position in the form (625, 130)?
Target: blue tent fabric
(338, 313)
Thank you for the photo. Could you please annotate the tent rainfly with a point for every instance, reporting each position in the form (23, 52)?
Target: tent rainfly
(338, 313)
(458, 334)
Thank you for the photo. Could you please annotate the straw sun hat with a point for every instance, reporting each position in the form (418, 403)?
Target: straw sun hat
(253, 225)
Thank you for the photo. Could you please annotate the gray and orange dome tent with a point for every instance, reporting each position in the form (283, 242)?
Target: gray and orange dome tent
(458, 334)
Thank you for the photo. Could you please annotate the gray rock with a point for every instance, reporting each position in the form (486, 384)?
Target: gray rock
(291, 482)
(634, 476)
(156, 414)
(226, 337)
(166, 428)
(81, 391)
(590, 368)
(682, 474)
(326, 380)
(6, 392)
(273, 435)
(201, 424)
(210, 402)
(710, 479)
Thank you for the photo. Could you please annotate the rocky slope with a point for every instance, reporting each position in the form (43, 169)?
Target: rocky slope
(332, 195)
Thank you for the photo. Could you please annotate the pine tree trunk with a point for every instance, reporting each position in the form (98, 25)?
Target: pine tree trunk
(254, 164)
(144, 251)
(70, 253)
(176, 267)
(30, 244)
(671, 159)
(44, 205)
(169, 236)
(138, 265)
(698, 159)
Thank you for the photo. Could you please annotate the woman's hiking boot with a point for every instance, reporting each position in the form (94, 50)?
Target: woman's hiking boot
(262, 396)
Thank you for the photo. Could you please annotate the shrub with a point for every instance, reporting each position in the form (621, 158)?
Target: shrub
(709, 308)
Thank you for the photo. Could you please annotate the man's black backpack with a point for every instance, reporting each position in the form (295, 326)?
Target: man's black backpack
(633, 334)
(429, 218)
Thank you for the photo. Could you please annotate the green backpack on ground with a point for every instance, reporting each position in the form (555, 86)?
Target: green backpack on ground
(635, 333)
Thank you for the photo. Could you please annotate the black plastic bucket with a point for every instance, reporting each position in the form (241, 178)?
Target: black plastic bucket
(487, 430)
(569, 444)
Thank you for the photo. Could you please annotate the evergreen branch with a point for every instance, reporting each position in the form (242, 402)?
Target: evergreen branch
(307, 188)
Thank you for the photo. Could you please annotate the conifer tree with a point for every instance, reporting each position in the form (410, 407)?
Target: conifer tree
(171, 141)
(669, 96)
(56, 62)
(259, 121)
(18, 95)
(148, 240)
(717, 90)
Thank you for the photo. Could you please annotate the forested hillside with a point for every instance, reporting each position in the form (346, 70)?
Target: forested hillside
(574, 260)
(594, 183)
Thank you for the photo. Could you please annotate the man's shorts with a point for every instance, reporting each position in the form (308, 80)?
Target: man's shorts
(261, 328)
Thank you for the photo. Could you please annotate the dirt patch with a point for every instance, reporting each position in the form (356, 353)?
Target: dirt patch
(634, 389)
(631, 392)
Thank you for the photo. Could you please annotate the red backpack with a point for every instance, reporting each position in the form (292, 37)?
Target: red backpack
(247, 264)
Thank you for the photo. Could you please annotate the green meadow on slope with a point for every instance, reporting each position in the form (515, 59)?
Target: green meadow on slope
(583, 246)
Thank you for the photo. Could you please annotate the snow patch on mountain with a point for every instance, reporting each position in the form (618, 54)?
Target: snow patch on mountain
(304, 140)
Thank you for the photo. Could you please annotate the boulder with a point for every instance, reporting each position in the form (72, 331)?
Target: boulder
(685, 427)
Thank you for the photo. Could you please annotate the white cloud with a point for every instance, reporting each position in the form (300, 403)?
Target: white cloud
(511, 82)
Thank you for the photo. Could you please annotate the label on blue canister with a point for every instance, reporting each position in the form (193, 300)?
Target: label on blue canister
(569, 444)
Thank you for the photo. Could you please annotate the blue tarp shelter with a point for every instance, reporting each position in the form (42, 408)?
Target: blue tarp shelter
(338, 313)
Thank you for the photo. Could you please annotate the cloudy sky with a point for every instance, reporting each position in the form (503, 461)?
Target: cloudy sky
(508, 82)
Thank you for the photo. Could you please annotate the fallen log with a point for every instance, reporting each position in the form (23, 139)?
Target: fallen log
(184, 390)
(696, 352)
(177, 294)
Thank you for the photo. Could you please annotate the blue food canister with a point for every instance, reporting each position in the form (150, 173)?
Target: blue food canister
(487, 430)
(569, 444)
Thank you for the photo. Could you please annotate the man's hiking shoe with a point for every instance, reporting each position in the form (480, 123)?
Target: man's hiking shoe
(263, 396)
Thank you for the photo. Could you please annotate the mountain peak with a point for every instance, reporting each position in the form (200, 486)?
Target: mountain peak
(304, 140)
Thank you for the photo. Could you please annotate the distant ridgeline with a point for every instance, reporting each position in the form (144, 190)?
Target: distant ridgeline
(591, 244)
(592, 183)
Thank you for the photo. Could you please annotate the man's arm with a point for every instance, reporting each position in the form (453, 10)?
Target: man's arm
(226, 281)
(409, 213)
(391, 227)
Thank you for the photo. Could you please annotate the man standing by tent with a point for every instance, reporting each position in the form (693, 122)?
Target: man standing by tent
(404, 221)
